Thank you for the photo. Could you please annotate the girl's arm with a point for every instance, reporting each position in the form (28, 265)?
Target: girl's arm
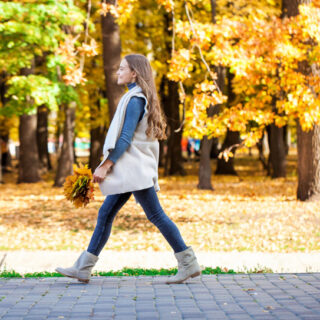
(134, 114)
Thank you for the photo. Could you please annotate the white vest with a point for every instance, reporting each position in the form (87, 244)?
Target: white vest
(137, 168)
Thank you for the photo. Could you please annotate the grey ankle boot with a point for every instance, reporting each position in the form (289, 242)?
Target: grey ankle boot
(81, 269)
(187, 266)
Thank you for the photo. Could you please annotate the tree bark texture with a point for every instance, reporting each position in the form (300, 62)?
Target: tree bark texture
(205, 165)
(42, 138)
(277, 151)
(174, 160)
(66, 158)
(173, 163)
(111, 59)
(308, 163)
(97, 136)
(232, 137)
(227, 167)
(208, 144)
(28, 151)
(308, 142)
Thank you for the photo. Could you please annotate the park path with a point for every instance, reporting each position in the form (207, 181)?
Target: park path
(23, 261)
(235, 297)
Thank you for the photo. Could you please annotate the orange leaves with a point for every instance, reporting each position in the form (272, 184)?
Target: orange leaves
(78, 188)
(251, 138)
(68, 52)
(167, 4)
(74, 76)
(265, 54)
(180, 65)
(121, 11)
(249, 212)
(89, 50)
(107, 7)
(67, 49)
(205, 94)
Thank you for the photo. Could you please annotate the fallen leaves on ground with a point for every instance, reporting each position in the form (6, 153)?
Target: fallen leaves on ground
(250, 212)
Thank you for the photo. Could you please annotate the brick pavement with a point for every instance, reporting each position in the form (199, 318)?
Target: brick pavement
(234, 297)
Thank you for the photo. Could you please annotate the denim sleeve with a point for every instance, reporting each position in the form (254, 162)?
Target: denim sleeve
(134, 113)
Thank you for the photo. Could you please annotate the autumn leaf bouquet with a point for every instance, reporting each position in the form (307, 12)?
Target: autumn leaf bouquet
(78, 188)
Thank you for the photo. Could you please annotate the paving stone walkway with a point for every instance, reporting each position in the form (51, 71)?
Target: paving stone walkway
(236, 297)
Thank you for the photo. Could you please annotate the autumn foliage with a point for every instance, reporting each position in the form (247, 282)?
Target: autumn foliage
(78, 187)
(274, 59)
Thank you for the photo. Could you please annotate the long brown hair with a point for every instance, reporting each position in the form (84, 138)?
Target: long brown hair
(156, 118)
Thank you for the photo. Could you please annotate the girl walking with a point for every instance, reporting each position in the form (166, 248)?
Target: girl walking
(130, 166)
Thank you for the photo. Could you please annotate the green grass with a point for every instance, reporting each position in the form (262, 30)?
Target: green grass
(125, 272)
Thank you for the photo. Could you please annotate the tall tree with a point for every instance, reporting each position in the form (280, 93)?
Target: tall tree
(170, 100)
(277, 151)
(111, 58)
(42, 138)
(28, 149)
(207, 143)
(23, 40)
(170, 95)
(308, 141)
(98, 131)
(232, 138)
(66, 158)
(277, 135)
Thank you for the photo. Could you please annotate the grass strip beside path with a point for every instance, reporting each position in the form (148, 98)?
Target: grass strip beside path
(127, 272)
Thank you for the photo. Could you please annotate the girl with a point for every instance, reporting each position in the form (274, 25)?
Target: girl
(130, 165)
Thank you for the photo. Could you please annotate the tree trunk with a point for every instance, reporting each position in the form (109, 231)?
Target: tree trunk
(308, 163)
(205, 165)
(111, 59)
(57, 134)
(207, 144)
(66, 158)
(290, 7)
(227, 167)
(276, 135)
(170, 101)
(174, 160)
(162, 154)
(232, 137)
(3, 90)
(28, 151)
(97, 133)
(308, 142)
(42, 139)
(277, 151)
(97, 136)
(261, 154)
(1, 181)
(214, 148)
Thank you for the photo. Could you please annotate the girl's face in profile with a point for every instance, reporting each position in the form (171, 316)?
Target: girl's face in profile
(125, 74)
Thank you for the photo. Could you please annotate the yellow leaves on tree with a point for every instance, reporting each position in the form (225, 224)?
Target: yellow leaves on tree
(121, 11)
(274, 61)
(90, 50)
(180, 65)
(78, 188)
(68, 52)
(167, 4)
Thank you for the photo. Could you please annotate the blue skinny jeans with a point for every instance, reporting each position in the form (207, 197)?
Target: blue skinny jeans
(150, 203)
